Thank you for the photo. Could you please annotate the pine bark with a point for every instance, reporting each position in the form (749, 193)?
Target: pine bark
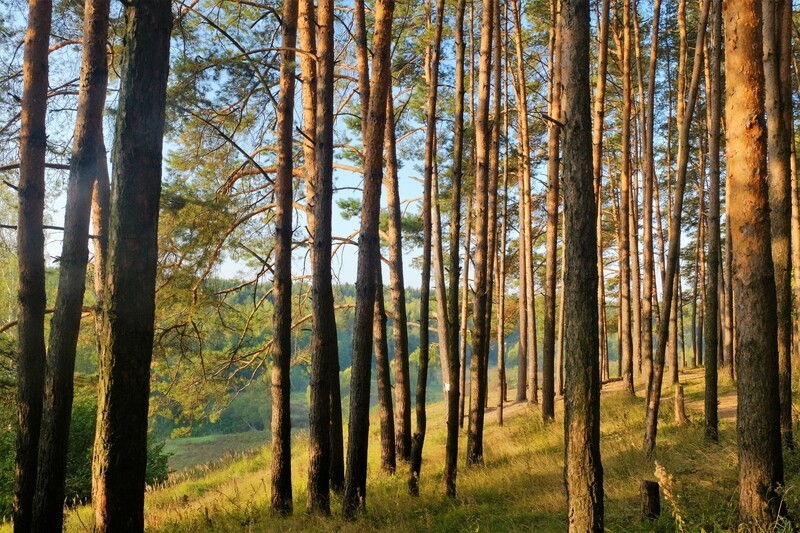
(454, 410)
(527, 344)
(714, 103)
(101, 210)
(402, 406)
(120, 450)
(442, 321)
(388, 455)
(323, 341)
(465, 316)
(501, 270)
(480, 325)
(624, 206)
(494, 182)
(31, 293)
(648, 177)
(418, 440)
(281, 495)
(551, 246)
(583, 469)
(776, 73)
(368, 262)
(674, 237)
(65, 324)
(597, 171)
(758, 409)
(308, 69)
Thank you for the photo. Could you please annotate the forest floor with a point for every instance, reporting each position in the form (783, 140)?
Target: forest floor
(521, 488)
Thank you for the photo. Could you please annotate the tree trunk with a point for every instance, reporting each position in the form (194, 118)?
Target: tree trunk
(465, 317)
(101, 206)
(30, 257)
(553, 140)
(480, 326)
(442, 320)
(795, 222)
(648, 177)
(368, 262)
(281, 495)
(714, 103)
(317, 101)
(650, 500)
(597, 174)
(399, 317)
(454, 414)
(731, 326)
(679, 304)
(501, 262)
(624, 206)
(388, 457)
(120, 450)
(560, 337)
(674, 238)
(695, 295)
(526, 308)
(418, 440)
(758, 410)
(494, 179)
(776, 73)
(583, 469)
(65, 325)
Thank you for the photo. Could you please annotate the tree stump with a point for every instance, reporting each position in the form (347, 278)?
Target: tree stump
(680, 411)
(651, 500)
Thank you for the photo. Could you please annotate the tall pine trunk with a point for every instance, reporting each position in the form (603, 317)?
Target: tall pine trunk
(368, 262)
(583, 470)
(480, 325)
(66, 322)
(780, 188)
(454, 416)
(402, 379)
(648, 177)
(325, 470)
(624, 206)
(381, 347)
(120, 449)
(527, 345)
(465, 316)
(758, 409)
(597, 172)
(281, 495)
(714, 102)
(418, 440)
(670, 288)
(31, 293)
(551, 253)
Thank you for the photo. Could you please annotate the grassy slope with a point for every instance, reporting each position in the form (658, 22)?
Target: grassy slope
(521, 487)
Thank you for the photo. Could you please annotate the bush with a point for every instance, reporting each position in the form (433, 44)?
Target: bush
(78, 486)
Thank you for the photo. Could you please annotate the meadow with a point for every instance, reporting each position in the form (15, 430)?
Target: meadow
(519, 489)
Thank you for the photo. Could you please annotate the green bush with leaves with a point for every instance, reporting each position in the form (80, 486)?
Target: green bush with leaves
(79, 456)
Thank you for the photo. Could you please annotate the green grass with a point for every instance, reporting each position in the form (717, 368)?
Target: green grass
(520, 488)
(190, 452)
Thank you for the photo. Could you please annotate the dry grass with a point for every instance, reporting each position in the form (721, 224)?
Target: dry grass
(520, 488)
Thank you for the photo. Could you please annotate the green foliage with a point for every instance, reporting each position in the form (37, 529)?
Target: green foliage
(6, 463)
(78, 486)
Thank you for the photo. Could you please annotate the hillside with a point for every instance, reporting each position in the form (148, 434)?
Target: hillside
(521, 487)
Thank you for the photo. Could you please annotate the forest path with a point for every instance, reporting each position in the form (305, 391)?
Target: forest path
(691, 378)
(693, 382)
(727, 399)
